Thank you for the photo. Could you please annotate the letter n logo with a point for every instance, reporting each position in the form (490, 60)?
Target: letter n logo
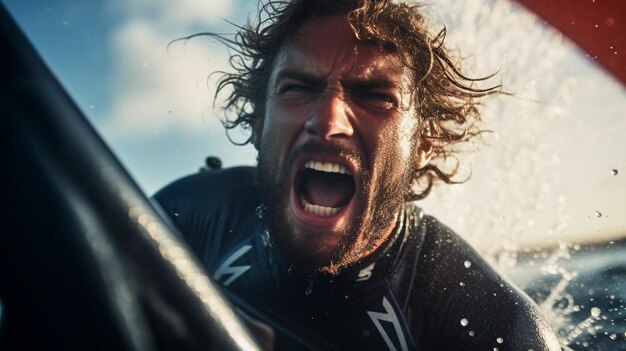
(389, 316)
(234, 271)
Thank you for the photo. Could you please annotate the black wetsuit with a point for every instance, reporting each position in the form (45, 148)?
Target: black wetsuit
(424, 289)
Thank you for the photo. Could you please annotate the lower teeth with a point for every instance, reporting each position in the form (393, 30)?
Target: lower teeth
(319, 210)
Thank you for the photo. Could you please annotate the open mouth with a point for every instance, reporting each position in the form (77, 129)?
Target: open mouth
(324, 188)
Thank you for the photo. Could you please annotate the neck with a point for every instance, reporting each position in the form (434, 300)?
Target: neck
(368, 248)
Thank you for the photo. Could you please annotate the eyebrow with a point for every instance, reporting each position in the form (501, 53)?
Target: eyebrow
(359, 84)
(371, 84)
(307, 78)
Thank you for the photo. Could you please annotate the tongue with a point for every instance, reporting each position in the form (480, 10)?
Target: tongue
(328, 189)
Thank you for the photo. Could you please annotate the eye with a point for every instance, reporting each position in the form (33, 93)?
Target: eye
(295, 88)
(382, 101)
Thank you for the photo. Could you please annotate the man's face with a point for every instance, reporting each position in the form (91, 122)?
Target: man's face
(336, 148)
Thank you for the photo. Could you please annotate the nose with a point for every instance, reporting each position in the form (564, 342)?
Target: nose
(331, 118)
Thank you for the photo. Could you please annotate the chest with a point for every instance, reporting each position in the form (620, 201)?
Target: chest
(363, 314)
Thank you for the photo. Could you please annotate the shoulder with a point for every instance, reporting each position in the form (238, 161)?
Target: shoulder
(209, 186)
(470, 303)
(212, 210)
(208, 194)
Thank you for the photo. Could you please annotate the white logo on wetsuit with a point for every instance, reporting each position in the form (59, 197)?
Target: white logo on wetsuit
(234, 271)
(365, 273)
(389, 316)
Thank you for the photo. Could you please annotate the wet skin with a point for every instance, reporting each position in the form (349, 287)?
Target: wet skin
(334, 99)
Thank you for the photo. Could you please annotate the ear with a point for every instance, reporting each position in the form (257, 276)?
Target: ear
(257, 131)
(424, 153)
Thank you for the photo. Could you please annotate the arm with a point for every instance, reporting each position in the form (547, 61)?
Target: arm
(469, 305)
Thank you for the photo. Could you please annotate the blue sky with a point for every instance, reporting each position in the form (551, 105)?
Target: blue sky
(149, 105)
(545, 173)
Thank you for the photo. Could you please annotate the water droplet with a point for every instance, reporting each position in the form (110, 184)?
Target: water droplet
(598, 214)
(613, 336)
(169, 112)
(259, 210)
(467, 264)
(614, 171)
(499, 340)
(471, 333)
(464, 322)
(609, 21)
(461, 284)
(91, 106)
(309, 289)
(175, 214)
(595, 312)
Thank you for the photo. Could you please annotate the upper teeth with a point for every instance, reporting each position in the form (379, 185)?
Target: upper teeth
(327, 167)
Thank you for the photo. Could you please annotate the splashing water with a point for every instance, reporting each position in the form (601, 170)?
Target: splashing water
(580, 292)
(548, 140)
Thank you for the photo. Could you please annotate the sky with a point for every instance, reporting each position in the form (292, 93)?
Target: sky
(553, 170)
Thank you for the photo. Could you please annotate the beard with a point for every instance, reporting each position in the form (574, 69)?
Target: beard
(382, 197)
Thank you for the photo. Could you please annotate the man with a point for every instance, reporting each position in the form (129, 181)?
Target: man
(354, 110)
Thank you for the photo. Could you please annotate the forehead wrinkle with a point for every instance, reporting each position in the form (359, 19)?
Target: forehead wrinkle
(294, 61)
(350, 64)
(295, 58)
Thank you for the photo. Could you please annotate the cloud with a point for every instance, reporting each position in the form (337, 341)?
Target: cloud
(154, 89)
(180, 13)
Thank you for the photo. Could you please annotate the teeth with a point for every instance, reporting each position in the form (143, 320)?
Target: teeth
(319, 210)
(327, 167)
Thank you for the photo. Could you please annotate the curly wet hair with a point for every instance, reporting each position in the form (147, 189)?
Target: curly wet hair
(446, 99)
